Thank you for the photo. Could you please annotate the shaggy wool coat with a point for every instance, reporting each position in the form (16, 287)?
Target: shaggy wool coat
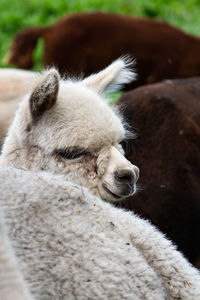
(12, 285)
(72, 245)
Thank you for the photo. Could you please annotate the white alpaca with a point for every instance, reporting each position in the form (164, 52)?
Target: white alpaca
(12, 285)
(65, 127)
(72, 245)
(14, 84)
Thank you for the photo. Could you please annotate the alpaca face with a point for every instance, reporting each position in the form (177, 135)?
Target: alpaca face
(66, 128)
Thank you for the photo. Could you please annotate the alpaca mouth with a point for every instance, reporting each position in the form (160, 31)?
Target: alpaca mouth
(105, 186)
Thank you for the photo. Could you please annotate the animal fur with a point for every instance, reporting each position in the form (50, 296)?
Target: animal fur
(66, 127)
(166, 118)
(87, 42)
(14, 84)
(12, 285)
(72, 245)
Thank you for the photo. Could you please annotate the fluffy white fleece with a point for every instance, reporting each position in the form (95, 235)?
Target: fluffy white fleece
(12, 285)
(72, 245)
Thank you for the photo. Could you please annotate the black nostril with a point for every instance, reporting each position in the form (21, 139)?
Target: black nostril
(125, 176)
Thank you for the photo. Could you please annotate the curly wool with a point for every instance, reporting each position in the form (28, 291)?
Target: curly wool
(72, 245)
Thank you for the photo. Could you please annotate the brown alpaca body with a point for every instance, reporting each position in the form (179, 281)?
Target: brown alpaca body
(85, 43)
(166, 117)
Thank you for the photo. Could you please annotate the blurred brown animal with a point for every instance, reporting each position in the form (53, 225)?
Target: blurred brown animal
(86, 43)
(14, 84)
(166, 117)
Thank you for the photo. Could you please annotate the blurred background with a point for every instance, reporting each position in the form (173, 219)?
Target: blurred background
(19, 14)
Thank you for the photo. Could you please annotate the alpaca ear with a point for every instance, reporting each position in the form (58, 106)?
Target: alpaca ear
(45, 93)
(112, 77)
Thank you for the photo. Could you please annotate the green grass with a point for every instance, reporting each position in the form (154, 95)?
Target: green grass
(18, 14)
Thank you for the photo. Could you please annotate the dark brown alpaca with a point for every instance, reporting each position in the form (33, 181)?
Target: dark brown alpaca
(85, 43)
(166, 117)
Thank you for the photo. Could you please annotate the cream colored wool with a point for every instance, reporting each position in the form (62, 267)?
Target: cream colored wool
(69, 243)
(72, 245)
(14, 84)
(12, 285)
(65, 114)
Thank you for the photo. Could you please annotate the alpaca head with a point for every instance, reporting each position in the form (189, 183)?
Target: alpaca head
(66, 127)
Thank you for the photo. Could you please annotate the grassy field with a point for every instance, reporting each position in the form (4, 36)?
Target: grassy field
(19, 14)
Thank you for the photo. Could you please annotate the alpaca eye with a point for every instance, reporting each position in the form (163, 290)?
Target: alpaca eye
(70, 153)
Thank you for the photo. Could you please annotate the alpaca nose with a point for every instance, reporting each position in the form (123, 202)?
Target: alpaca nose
(125, 176)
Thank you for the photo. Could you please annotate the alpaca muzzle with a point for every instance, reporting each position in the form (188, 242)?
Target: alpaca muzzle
(125, 181)
(120, 178)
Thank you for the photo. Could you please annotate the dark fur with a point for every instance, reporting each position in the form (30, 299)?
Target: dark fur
(166, 117)
(88, 42)
(44, 96)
